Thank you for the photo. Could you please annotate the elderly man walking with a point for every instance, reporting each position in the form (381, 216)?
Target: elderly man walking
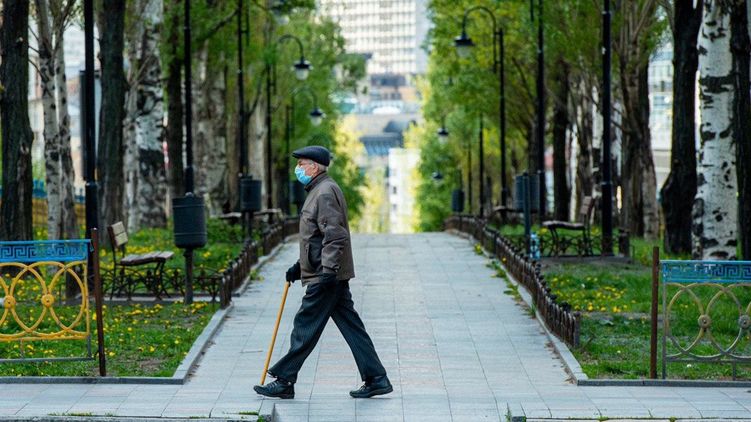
(325, 267)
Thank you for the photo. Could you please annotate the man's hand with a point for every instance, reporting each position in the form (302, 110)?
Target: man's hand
(328, 278)
(293, 273)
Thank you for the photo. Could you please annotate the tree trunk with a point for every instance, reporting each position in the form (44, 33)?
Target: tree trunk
(16, 131)
(740, 43)
(50, 132)
(585, 134)
(69, 223)
(203, 127)
(561, 191)
(175, 106)
(110, 148)
(145, 180)
(639, 180)
(715, 208)
(216, 156)
(680, 187)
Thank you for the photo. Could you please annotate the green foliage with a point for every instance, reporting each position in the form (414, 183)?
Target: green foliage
(433, 197)
(345, 172)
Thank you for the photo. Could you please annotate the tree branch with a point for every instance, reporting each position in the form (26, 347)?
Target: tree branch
(523, 77)
(216, 27)
(34, 64)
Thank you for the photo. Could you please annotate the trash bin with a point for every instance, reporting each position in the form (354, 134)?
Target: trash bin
(457, 201)
(520, 192)
(250, 194)
(190, 221)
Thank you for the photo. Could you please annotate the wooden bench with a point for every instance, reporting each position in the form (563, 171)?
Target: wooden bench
(582, 242)
(125, 281)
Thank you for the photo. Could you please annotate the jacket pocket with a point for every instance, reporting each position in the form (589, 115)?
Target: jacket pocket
(313, 252)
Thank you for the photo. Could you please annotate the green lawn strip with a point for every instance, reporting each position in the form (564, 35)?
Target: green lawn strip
(615, 301)
(140, 340)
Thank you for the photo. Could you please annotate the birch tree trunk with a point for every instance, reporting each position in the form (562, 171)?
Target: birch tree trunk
(715, 208)
(49, 107)
(69, 223)
(145, 171)
(561, 191)
(585, 134)
(211, 134)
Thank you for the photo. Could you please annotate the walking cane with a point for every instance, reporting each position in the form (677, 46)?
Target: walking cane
(276, 328)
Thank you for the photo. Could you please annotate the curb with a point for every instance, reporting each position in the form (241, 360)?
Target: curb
(661, 383)
(201, 344)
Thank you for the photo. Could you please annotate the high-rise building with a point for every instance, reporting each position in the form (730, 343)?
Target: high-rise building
(391, 32)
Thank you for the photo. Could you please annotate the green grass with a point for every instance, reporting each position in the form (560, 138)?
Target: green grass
(140, 340)
(615, 302)
(224, 243)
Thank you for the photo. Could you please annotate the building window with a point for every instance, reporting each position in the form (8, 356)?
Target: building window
(393, 190)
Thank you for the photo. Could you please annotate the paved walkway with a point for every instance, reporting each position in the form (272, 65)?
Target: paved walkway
(455, 346)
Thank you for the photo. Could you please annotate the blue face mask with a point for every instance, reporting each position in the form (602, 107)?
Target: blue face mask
(301, 176)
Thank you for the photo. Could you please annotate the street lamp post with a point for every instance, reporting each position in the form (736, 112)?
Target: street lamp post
(92, 217)
(189, 211)
(463, 44)
(302, 70)
(481, 154)
(540, 103)
(607, 185)
(469, 176)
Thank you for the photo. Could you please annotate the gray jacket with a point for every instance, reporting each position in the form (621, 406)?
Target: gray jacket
(325, 244)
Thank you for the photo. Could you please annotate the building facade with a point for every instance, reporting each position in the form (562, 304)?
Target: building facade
(390, 31)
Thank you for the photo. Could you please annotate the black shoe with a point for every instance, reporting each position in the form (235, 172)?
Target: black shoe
(279, 388)
(375, 387)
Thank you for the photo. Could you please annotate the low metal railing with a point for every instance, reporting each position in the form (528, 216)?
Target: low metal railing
(557, 316)
(705, 312)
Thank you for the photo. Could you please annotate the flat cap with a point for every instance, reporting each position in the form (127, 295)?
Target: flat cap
(316, 153)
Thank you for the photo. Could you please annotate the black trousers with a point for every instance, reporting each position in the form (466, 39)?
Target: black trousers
(320, 302)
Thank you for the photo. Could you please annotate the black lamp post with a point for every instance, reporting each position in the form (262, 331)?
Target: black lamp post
(464, 44)
(302, 70)
(607, 185)
(189, 211)
(92, 189)
(540, 102)
(481, 154)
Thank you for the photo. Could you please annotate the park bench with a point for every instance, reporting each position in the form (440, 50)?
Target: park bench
(719, 292)
(583, 240)
(125, 275)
